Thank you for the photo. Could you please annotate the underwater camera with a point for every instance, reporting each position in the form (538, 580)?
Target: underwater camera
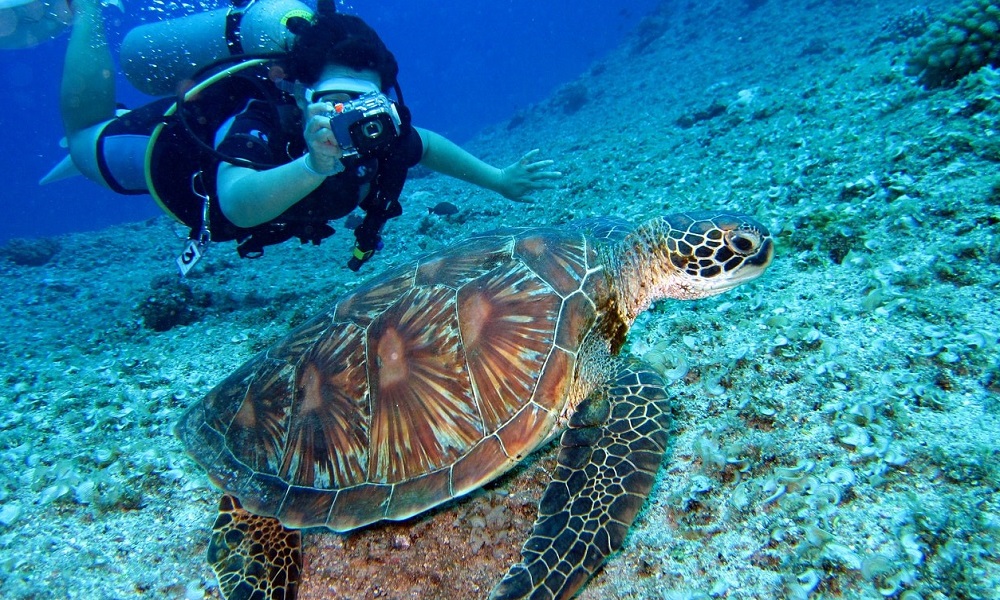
(365, 125)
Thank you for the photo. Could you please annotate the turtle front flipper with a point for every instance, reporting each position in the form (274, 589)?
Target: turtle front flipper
(254, 558)
(607, 465)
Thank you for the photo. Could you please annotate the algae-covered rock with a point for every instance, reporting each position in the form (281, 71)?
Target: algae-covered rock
(961, 42)
(170, 303)
(30, 252)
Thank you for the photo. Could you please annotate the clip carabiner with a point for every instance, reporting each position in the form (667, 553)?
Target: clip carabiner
(198, 187)
(196, 246)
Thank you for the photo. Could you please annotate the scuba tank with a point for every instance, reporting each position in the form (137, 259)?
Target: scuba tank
(157, 57)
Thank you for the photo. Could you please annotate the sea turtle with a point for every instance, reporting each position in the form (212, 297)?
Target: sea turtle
(434, 378)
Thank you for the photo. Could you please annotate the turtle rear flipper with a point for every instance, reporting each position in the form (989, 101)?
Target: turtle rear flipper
(254, 557)
(607, 465)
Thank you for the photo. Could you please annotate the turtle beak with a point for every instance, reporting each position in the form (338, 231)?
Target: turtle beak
(764, 255)
(753, 266)
(749, 268)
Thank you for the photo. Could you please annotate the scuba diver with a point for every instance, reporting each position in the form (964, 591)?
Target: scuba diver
(263, 147)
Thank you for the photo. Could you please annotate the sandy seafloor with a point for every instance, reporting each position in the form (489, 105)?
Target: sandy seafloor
(836, 421)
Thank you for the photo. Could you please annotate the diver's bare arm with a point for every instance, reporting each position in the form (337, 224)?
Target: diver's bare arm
(515, 181)
(444, 156)
(248, 197)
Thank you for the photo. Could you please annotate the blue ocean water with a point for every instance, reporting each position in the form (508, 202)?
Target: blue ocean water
(463, 66)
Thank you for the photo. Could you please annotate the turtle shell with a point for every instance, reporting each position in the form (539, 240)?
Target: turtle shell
(420, 386)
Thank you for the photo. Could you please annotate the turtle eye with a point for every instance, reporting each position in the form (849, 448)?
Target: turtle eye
(743, 241)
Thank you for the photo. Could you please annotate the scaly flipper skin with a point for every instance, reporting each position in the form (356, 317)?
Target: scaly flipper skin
(607, 465)
(254, 557)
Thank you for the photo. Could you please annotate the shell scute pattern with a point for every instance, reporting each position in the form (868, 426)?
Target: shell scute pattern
(328, 418)
(423, 415)
(301, 505)
(507, 333)
(296, 344)
(258, 432)
(577, 316)
(475, 468)
(371, 299)
(414, 495)
(554, 381)
(467, 261)
(411, 390)
(560, 256)
(358, 506)
(263, 492)
(221, 404)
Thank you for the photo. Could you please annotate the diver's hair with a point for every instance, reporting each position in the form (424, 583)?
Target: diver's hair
(336, 38)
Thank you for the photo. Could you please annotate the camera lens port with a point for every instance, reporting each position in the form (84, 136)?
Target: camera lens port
(372, 129)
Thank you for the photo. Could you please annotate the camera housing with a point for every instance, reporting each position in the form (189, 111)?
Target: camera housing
(365, 125)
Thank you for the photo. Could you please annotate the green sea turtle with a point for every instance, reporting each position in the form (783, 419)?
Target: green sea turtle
(435, 378)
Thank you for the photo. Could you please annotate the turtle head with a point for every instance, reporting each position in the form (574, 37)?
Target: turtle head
(712, 252)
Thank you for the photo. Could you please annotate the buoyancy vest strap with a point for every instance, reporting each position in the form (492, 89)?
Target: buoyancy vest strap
(276, 233)
(381, 206)
(169, 115)
(233, 19)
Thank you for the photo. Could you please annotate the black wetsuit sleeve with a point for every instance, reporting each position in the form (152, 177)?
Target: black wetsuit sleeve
(411, 147)
(250, 134)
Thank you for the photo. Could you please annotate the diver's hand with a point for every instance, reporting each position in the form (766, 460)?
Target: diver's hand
(527, 175)
(323, 148)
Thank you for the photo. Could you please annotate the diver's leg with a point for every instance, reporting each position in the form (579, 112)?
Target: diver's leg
(87, 95)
